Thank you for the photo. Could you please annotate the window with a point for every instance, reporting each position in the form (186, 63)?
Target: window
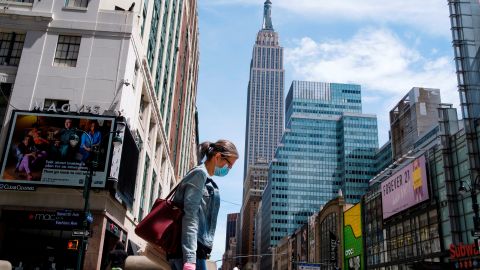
(5, 92)
(67, 51)
(76, 3)
(11, 45)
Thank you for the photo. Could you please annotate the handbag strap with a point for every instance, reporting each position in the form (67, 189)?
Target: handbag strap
(172, 192)
(170, 195)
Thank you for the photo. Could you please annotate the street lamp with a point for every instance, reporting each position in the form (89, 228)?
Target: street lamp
(472, 188)
(92, 164)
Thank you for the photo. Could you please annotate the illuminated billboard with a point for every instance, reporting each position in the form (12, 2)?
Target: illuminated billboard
(405, 188)
(55, 149)
(352, 238)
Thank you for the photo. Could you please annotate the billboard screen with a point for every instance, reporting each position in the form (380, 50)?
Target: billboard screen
(54, 149)
(405, 188)
(352, 237)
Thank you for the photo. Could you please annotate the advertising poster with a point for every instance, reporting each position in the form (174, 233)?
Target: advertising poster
(55, 149)
(405, 188)
(352, 233)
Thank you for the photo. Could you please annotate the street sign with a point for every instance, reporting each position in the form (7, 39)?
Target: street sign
(78, 233)
(476, 234)
(89, 217)
(308, 266)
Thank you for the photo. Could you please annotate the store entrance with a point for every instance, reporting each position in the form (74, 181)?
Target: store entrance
(33, 240)
(38, 249)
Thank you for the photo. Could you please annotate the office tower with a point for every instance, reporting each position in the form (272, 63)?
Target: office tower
(231, 241)
(232, 220)
(412, 117)
(328, 145)
(265, 94)
(465, 21)
(137, 59)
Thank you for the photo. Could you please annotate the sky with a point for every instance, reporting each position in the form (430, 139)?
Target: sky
(387, 47)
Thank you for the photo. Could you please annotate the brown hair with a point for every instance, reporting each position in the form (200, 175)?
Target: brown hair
(208, 150)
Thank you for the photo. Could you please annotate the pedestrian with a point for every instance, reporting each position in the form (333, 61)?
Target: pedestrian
(199, 195)
(118, 256)
(237, 267)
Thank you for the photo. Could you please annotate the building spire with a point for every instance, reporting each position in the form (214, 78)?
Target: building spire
(267, 16)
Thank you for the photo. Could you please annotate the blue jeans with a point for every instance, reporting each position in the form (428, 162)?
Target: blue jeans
(177, 264)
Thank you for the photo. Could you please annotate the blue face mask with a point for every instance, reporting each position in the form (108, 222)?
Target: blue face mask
(221, 171)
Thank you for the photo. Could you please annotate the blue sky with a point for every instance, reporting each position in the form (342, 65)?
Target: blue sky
(387, 47)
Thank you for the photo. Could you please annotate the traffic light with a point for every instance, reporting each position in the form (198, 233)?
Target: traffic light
(72, 244)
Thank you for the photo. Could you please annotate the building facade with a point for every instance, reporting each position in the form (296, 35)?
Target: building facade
(232, 220)
(328, 145)
(229, 259)
(412, 117)
(264, 125)
(254, 185)
(319, 244)
(92, 59)
(465, 22)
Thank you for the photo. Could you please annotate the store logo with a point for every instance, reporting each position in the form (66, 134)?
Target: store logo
(67, 108)
(461, 251)
(45, 217)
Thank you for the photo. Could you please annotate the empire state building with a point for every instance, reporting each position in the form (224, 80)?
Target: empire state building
(265, 95)
(264, 127)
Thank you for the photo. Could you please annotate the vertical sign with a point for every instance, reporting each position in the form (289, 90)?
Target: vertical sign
(352, 238)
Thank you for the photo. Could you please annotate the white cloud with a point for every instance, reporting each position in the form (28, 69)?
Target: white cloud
(379, 61)
(375, 58)
(427, 15)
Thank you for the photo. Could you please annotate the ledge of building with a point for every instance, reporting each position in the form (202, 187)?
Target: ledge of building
(23, 9)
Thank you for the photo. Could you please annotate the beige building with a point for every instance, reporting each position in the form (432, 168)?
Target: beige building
(253, 186)
(317, 243)
(134, 61)
(412, 118)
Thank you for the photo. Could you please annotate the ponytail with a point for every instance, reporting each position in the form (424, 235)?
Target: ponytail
(207, 150)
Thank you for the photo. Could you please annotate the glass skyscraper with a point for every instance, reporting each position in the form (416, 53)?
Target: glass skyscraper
(328, 145)
(465, 22)
(265, 95)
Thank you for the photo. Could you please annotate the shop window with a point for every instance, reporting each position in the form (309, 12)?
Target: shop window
(76, 3)
(66, 54)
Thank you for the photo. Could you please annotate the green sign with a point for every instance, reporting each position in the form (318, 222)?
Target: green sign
(352, 238)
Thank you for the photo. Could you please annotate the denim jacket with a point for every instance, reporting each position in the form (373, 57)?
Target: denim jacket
(201, 201)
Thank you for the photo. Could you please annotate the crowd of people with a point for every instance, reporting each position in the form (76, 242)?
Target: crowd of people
(61, 144)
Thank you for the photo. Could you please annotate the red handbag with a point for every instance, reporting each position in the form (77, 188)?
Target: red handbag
(163, 225)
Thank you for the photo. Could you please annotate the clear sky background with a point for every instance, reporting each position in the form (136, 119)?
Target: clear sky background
(387, 47)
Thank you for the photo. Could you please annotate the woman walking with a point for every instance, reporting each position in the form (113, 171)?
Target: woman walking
(199, 195)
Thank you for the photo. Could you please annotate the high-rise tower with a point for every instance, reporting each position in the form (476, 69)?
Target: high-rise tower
(264, 125)
(328, 145)
(265, 94)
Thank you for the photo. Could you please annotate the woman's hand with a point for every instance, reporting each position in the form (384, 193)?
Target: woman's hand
(189, 266)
